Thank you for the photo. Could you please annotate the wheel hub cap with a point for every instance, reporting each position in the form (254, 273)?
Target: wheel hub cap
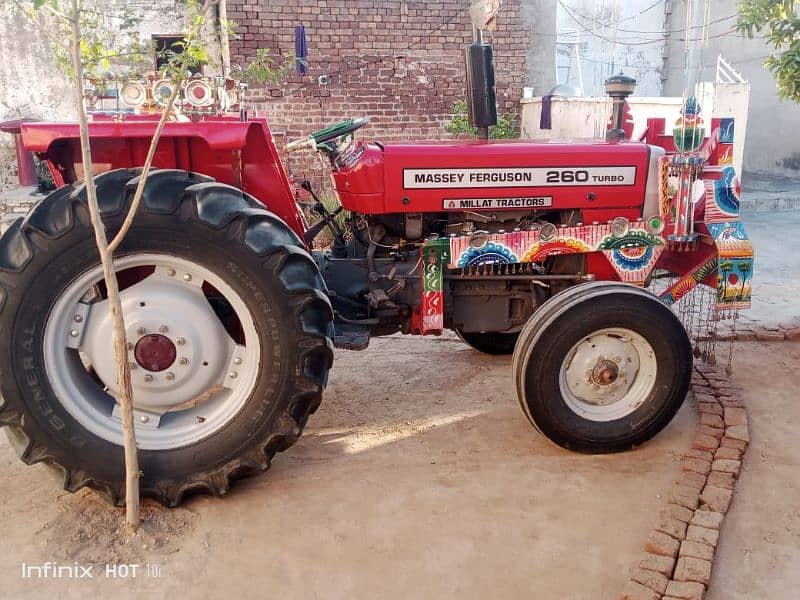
(596, 379)
(155, 352)
(608, 374)
(189, 376)
(605, 372)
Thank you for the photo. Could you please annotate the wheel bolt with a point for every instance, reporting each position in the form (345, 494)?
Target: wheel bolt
(233, 374)
(162, 329)
(78, 318)
(130, 346)
(180, 341)
(237, 361)
(169, 376)
(141, 331)
(187, 277)
(132, 366)
(148, 378)
(171, 272)
(144, 419)
(74, 333)
(184, 361)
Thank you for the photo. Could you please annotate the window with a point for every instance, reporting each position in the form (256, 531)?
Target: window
(173, 43)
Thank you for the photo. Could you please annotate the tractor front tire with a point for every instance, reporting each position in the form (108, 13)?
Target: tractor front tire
(229, 328)
(602, 367)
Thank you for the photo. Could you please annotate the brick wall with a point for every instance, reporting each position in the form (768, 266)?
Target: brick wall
(400, 62)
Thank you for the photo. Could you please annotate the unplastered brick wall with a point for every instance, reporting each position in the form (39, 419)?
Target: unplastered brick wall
(400, 62)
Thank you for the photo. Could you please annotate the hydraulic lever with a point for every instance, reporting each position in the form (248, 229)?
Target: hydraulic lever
(328, 219)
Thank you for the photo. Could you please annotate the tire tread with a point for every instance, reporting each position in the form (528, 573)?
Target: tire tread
(217, 206)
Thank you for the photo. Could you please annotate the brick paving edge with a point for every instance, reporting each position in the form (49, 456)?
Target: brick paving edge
(679, 552)
(763, 333)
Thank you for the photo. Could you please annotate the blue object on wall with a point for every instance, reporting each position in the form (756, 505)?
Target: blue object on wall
(301, 49)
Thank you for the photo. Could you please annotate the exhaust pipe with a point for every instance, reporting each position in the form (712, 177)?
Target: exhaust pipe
(481, 99)
(618, 87)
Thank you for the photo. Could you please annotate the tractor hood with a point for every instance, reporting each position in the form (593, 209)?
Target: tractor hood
(498, 175)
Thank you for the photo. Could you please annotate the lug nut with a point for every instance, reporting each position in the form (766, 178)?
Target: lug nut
(74, 333)
(171, 272)
(184, 361)
(169, 376)
(144, 419)
(78, 318)
(187, 277)
(133, 366)
(233, 374)
(148, 378)
(130, 346)
(180, 341)
(162, 329)
(237, 361)
(141, 331)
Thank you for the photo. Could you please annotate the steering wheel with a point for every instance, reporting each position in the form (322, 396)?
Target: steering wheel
(328, 134)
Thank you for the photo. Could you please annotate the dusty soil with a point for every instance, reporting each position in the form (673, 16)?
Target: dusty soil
(759, 551)
(418, 478)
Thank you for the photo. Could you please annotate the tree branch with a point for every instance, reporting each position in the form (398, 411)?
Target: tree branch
(110, 277)
(137, 197)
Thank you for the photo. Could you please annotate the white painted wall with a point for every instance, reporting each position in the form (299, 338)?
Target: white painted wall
(540, 17)
(772, 145)
(637, 28)
(32, 87)
(587, 117)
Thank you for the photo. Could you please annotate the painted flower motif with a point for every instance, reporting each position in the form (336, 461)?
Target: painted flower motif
(633, 259)
(726, 191)
(491, 253)
(634, 238)
(541, 250)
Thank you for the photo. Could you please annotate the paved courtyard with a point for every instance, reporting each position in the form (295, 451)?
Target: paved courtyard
(419, 477)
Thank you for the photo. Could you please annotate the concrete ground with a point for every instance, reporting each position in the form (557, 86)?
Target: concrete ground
(418, 478)
(762, 192)
(776, 277)
(759, 549)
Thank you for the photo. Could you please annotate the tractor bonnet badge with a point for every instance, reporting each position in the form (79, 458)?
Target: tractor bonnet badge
(519, 177)
(496, 203)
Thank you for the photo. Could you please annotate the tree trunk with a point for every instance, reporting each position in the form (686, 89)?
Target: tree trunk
(222, 30)
(109, 275)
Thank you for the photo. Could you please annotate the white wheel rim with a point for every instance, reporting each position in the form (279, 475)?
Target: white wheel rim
(176, 403)
(608, 374)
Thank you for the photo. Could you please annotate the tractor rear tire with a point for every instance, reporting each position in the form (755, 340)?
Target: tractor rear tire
(200, 251)
(602, 367)
(495, 343)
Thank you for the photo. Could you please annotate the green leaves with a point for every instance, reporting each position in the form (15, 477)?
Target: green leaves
(780, 21)
(265, 68)
(504, 130)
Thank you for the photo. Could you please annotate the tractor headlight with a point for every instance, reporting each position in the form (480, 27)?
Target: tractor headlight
(548, 232)
(162, 90)
(655, 225)
(133, 94)
(478, 239)
(620, 227)
(198, 93)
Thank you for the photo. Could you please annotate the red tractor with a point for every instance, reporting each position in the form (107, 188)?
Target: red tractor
(537, 249)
